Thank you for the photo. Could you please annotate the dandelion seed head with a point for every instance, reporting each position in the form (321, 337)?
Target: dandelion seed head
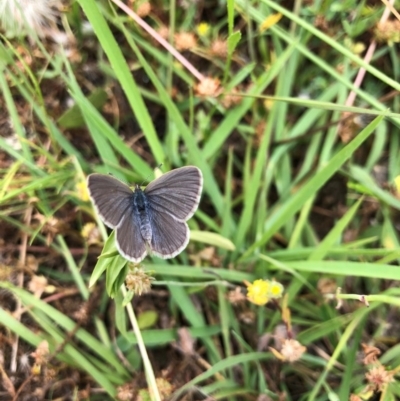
(24, 16)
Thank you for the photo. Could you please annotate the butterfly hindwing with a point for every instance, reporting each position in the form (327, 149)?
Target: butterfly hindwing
(170, 236)
(129, 240)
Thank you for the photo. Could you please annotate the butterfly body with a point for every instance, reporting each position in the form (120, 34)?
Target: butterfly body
(141, 206)
(152, 219)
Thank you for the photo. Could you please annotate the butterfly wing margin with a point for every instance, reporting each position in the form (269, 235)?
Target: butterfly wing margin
(169, 236)
(111, 198)
(129, 241)
(176, 192)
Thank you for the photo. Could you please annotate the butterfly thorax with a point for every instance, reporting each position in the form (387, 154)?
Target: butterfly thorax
(141, 206)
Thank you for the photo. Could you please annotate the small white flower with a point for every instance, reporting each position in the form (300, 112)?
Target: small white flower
(19, 17)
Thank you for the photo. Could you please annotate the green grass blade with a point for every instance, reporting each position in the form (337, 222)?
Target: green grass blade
(293, 205)
(121, 69)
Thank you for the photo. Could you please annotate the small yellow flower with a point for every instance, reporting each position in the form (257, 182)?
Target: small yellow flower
(38, 285)
(261, 291)
(258, 292)
(202, 29)
(268, 103)
(397, 185)
(82, 191)
(271, 20)
(275, 290)
(91, 233)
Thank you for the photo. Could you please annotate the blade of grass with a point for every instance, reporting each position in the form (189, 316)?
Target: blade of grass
(150, 377)
(336, 75)
(222, 365)
(200, 273)
(363, 177)
(195, 153)
(101, 131)
(41, 113)
(346, 268)
(73, 268)
(121, 69)
(335, 44)
(16, 122)
(196, 319)
(234, 116)
(335, 233)
(250, 195)
(293, 205)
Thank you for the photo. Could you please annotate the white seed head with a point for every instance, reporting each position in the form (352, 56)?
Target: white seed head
(24, 16)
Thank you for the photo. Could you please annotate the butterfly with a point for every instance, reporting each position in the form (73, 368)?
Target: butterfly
(152, 220)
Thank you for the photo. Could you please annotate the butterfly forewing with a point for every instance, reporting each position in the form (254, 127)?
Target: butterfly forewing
(111, 197)
(176, 192)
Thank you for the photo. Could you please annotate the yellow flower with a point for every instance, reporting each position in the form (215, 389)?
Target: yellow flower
(271, 20)
(261, 291)
(258, 292)
(203, 29)
(91, 233)
(82, 191)
(397, 184)
(275, 290)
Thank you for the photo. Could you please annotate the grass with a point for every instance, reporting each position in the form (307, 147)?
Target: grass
(294, 192)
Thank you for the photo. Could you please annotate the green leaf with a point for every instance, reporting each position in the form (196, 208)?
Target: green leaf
(120, 313)
(73, 118)
(115, 275)
(210, 238)
(233, 41)
(147, 319)
(109, 250)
